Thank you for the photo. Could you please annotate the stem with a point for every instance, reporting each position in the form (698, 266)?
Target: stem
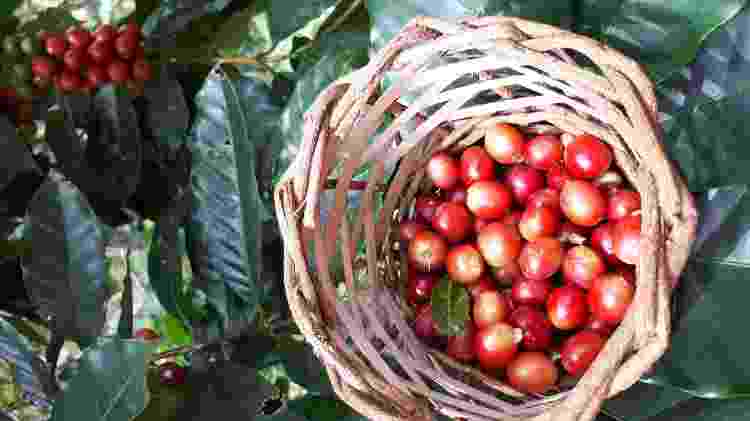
(126, 318)
(187, 349)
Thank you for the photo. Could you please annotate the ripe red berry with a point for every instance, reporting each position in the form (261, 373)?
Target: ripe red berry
(567, 307)
(610, 296)
(504, 143)
(623, 203)
(69, 81)
(496, 345)
(43, 67)
(540, 259)
(587, 157)
(106, 33)
(425, 326)
(524, 181)
(74, 59)
(464, 264)
(461, 347)
(582, 265)
(79, 38)
(425, 207)
(507, 274)
(557, 176)
(583, 203)
(602, 240)
(531, 291)
(427, 251)
(544, 151)
(476, 165)
(453, 221)
(456, 195)
(420, 287)
(539, 222)
(489, 308)
(172, 374)
(408, 229)
(488, 199)
(443, 169)
(484, 284)
(146, 334)
(96, 75)
(131, 28)
(580, 350)
(100, 52)
(626, 239)
(125, 45)
(56, 46)
(532, 372)
(499, 243)
(536, 327)
(599, 326)
(118, 71)
(548, 197)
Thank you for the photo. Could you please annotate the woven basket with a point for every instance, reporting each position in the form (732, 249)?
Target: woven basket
(545, 79)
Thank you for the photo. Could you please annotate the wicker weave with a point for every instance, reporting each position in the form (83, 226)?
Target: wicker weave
(546, 79)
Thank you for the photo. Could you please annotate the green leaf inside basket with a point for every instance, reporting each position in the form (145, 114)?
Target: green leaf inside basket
(450, 307)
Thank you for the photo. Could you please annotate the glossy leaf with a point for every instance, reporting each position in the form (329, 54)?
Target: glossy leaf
(223, 236)
(165, 110)
(110, 384)
(312, 408)
(165, 268)
(661, 35)
(173, 16)
(450, 307)
(65, 273)
(707, 410)
(388, 17)
(340, 54)
(230, 389)
(16, 350)
(15, 158)
(629, 405)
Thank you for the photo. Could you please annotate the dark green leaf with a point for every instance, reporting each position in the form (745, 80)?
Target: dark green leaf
(710, 300)
(388, 17)
(174, 15)
(7, 7)
(340, 54)
(53, 19)
(303, 367)
(450, 307)
(17, 350)
(707, 410)
(116, 132)
(15, 158)
(223, 237)
(166, 117)
(66, 270)
(165, 268)
(661, 35)
(110, 384)
(227, 388)
(287, 17)
(629, 405)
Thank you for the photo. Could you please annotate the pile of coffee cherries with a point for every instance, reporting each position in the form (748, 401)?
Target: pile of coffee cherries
(544, 232)
(81, 61)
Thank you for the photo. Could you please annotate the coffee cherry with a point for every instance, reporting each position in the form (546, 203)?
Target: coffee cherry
(97, 75)
(79, 38)
(125, 46)
(172, 374)
(118, 71)
(131, 28)
(56, 45)
(43, 67)
(100, 52)
(74, 59)
(147, 334)
(106, 33)
(69, 81)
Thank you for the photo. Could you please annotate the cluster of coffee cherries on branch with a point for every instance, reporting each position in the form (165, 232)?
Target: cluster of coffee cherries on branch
(544, 233)
(170, 373)
(81, 61)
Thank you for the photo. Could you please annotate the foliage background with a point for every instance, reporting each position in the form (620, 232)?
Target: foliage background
(190, 248)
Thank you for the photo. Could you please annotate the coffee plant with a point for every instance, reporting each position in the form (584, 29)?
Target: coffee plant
(140, 263)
